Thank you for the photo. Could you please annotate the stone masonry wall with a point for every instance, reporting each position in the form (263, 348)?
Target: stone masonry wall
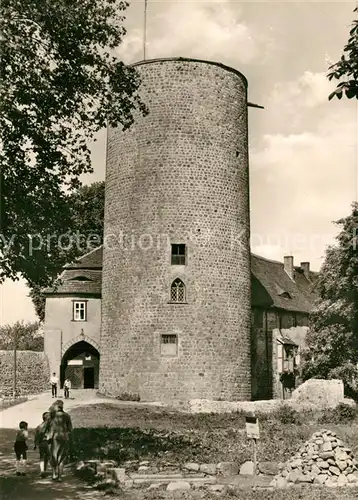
(32, 373)
(179, 175)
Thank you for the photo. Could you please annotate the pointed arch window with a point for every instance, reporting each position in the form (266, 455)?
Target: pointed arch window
(177, 291)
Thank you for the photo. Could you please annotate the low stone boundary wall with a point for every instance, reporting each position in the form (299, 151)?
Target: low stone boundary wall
(314, 394)
(173, 477)
(32, 373)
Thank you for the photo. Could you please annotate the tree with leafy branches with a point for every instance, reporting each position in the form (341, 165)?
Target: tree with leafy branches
(86, 207)
(332, 341)
(346, 68)
(26, 336)
(61, 82)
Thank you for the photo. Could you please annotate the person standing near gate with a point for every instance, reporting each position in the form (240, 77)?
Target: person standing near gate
(67, 387)
(54, 384)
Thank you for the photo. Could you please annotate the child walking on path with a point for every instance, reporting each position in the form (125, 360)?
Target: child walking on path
(67, 388)
(42, 444)
(20, 447)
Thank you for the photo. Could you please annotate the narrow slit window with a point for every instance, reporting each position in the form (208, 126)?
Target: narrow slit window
(177, 291)
(178, 255)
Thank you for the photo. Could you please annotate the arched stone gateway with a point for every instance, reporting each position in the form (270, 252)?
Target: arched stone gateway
(80, 363)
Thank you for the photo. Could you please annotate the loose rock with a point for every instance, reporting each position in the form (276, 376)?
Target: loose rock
(323, 460)
(227, 469)
(208, 469)
(178, 485)
(247, 469)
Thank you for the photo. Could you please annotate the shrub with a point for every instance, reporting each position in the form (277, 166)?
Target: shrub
(343, 413)
(348, 373)
(287, 415)
(122, 444)
(126, 396)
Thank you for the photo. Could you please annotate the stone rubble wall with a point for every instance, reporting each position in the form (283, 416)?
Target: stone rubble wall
(32, 374)
(314, 394)
(172, 476)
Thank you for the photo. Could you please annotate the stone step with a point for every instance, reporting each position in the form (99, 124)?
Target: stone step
(149, 477)
(168, 479)
(202, 480)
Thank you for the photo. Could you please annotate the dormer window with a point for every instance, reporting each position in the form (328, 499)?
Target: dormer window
(283, 293)
(79, 278)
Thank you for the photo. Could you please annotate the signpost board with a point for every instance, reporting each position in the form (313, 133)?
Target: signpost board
(253, 432)
(252, 427)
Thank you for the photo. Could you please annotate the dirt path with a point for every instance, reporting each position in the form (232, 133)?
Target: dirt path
(32, 487)
(31, 411)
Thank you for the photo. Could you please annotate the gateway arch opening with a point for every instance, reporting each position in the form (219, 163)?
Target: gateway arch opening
(80, 364)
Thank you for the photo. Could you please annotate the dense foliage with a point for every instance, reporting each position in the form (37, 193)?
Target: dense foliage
(60, 84)
(86, 208)
(333, 337)
(26, 336)
(346, 68)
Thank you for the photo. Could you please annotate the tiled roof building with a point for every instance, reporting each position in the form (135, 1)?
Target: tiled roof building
(282, 296)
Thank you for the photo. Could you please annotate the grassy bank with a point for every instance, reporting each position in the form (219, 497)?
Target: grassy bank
(302, 493)
(8, 403)
(135, 433)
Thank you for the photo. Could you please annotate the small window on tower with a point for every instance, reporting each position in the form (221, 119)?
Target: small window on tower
(177, 291)
(169, 345)
(178, 255)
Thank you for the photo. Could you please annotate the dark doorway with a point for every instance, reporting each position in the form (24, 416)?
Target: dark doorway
(88, 378)
(80, 364)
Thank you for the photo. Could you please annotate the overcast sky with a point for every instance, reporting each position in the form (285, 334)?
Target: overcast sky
(303, 149)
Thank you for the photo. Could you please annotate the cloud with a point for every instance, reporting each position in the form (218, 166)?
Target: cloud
(308, 91)
(305, 179)
(203, 30)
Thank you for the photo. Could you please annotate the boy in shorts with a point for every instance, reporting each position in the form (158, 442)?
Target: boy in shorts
(20, 447)
(42, 443)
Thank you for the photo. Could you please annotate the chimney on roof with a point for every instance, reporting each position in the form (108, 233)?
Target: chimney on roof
(305, 266)
(288, 266)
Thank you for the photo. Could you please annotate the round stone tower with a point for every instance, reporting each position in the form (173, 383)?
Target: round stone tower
(176, 262)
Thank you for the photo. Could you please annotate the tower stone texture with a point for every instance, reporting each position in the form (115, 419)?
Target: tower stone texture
(179, 176)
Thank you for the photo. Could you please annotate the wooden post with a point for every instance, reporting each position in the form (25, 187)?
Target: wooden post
(254, 459)
(1, 202)
(62, 371)
(15, 364)
(253, 433)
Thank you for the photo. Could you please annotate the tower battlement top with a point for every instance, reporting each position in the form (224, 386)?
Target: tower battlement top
(188, 59)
